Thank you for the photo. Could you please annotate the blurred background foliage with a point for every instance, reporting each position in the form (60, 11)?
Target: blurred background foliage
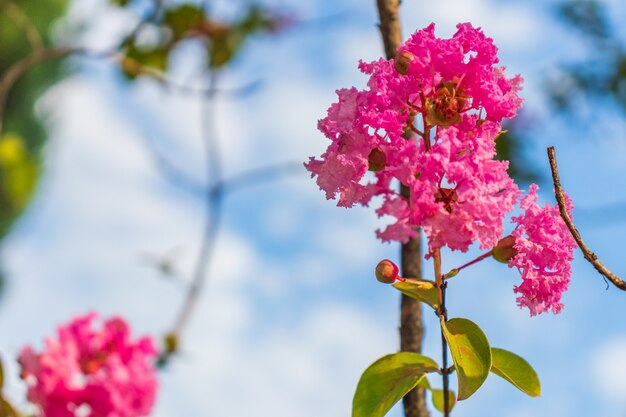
(26, 26)
(576, 87)
(599, 75)
(23, 134)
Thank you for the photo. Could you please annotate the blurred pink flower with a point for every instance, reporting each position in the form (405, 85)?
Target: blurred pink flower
(544, 248)
(91, 371)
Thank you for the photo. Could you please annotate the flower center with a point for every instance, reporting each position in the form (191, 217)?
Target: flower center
(445, 108)
(447, 196)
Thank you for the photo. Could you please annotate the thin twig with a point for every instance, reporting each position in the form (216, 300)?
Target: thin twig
(172, 172)
(587, 253)
(256, 176)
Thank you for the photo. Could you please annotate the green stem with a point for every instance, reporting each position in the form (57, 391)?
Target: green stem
(443, 316)
(454, 271)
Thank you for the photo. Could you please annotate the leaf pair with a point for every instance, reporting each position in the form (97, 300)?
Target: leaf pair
(391, 377)
(474, 359)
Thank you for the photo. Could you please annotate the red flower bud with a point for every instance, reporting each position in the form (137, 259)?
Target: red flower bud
(505, 250)
(387, 272)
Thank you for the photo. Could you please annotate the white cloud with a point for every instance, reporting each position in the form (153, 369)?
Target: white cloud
(607, 369)
(512, 25)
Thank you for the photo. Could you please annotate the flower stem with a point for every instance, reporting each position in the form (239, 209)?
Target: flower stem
(443, 316)
(454, 271)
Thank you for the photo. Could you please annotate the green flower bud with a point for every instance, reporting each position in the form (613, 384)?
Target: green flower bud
(402, 61)
(504, 251)
(377, 160)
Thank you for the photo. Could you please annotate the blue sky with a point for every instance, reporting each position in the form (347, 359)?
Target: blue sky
(292, 314)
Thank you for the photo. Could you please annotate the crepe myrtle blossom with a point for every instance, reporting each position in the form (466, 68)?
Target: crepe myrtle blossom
(457, 95)
(544, 251)
(91, 370)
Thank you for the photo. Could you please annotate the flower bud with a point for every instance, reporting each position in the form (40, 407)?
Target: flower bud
(377, 160)
(171, 343)
(402, 61)
(387, 271)
(505, 250)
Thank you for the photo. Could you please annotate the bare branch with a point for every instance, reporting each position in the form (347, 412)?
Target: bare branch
(587, 253)
(389, 11)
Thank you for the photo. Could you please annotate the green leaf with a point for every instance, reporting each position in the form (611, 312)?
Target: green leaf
(437, 397)
(19, 173)
(516, 370)
(137, 60)
(1, 376)
(387, 380)
(183, 18)
(471, 354)
(424, 291)
(7, 410)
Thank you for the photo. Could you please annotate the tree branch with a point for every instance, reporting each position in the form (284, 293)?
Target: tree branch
(587, 253)
(411, 323)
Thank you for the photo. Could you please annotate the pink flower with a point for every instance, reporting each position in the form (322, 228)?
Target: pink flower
(91, 371)
(452, 91)
(544, 248)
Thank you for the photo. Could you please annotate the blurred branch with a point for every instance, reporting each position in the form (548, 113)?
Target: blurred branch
(172, 172)
(256, 176)
(22, 20)
(15, 71)
(213, 214)
(587, 253)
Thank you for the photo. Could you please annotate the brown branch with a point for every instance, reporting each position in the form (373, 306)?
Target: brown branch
(411, 322)
(587, 253)
(389, 12)
(15, 71)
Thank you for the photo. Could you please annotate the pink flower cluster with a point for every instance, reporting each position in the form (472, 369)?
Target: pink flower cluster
(544, 249)
(458, 192)
(90, 371)
(429, 120)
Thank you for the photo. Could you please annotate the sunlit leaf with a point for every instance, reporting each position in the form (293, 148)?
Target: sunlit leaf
(471, 354)
(516, 370)
(19, 173)
(424, 291)
(387, 380)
